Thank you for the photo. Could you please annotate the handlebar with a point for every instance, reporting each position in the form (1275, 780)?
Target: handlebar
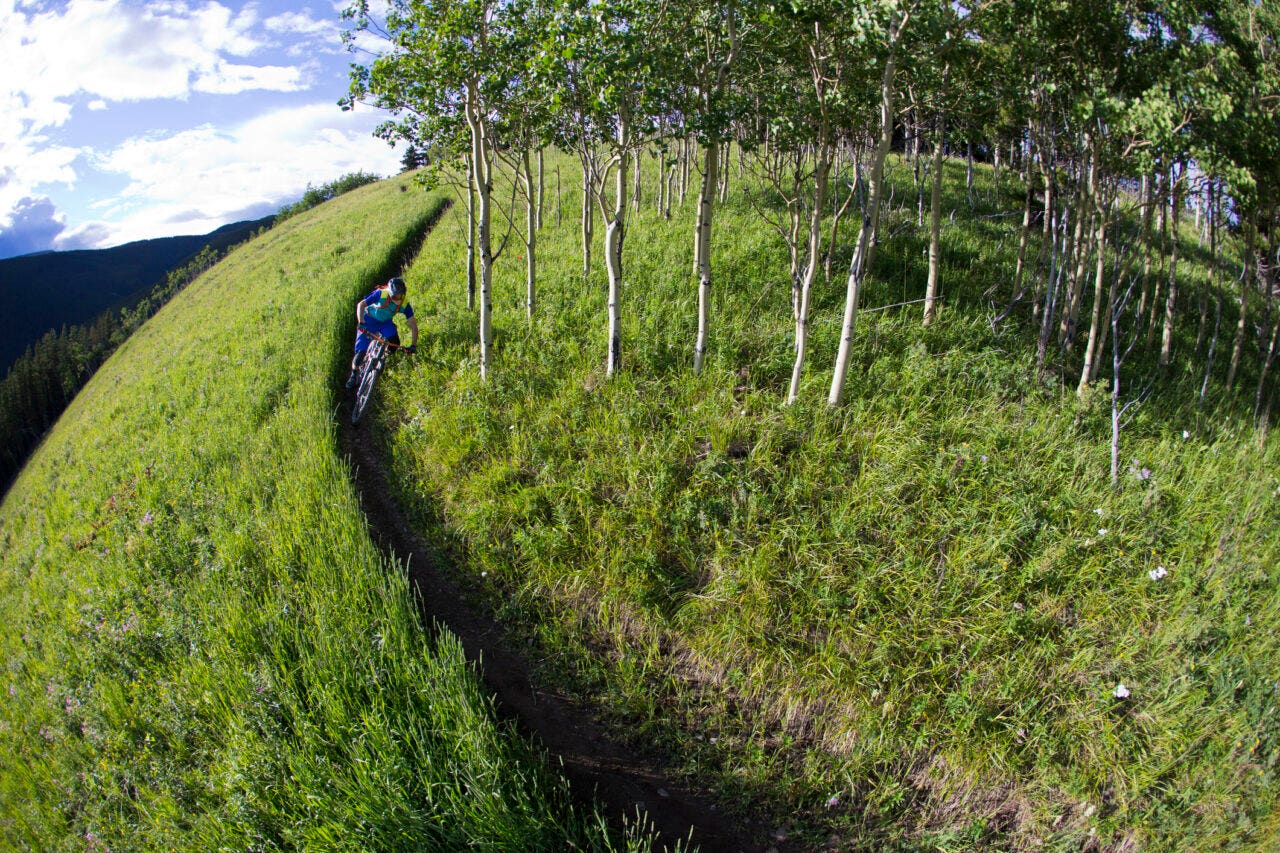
(377, 337)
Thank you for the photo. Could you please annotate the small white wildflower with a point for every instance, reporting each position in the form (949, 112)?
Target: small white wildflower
(1017, 605)
(1121, 692)
(484, 574)
(1157, 573)
(984, 457)
(1099, 511)
(1102, 531)
(1186, 434)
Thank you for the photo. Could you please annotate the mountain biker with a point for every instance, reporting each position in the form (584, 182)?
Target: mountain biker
(376, 312)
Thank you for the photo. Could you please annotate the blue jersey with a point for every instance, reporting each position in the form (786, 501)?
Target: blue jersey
(379, 316)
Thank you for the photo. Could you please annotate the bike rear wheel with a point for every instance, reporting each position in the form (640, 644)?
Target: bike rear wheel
(374, 358)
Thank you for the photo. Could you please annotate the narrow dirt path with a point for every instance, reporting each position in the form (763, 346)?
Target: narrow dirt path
(598, 767)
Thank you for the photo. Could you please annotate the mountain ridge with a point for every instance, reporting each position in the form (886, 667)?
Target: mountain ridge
(91, 281)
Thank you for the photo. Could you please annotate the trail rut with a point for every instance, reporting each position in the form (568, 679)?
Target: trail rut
(597, 765)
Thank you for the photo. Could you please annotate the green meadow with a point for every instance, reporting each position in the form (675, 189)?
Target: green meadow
(203, 648)
(924, 619)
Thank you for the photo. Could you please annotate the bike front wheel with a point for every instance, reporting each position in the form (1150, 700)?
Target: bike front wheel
(373, 361)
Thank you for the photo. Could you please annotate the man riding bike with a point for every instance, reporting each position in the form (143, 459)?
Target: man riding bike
(376, 313)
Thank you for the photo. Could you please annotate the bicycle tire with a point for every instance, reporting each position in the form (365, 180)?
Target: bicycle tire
(374, 358)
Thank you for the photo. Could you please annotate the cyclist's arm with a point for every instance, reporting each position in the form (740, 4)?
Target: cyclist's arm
(360, 306)
(413, 330)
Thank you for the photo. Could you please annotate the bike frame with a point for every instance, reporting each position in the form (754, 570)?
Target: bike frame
(375, 358)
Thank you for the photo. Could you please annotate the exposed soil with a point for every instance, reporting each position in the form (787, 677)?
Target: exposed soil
(598, 767)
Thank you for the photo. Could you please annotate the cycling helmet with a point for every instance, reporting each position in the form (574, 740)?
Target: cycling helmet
(397, 287)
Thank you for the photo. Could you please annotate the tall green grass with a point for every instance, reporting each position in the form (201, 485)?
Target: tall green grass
(903, 621)
(203, 648)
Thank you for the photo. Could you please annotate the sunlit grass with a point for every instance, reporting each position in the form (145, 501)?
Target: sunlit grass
(203, 648)
(910, 613)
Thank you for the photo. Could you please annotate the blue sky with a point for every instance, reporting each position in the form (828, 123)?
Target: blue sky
(122, 120)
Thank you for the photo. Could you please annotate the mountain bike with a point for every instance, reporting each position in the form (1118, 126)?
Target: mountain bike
(375, 358)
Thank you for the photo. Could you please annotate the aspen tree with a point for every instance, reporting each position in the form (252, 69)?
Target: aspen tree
(531, 233)
(898, 20)
(471, 232)
(935, 223)
(610, 81)
(1246, 281)
(1171, 297)
(447, 73)
(708, 55)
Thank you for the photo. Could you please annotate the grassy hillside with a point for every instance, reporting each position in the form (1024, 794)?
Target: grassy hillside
(902, 622)
(203, 649)
(47, 291)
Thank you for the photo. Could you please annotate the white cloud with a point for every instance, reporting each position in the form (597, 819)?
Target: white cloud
(101, 52)
(197, 180)
(124, 51)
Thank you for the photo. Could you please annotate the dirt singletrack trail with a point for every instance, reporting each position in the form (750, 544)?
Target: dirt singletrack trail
(598, 767)
(601, 770)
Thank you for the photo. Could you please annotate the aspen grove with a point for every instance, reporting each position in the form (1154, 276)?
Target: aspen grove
(1144, 114)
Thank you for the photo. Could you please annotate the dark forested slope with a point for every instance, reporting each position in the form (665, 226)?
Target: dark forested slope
(46, 291)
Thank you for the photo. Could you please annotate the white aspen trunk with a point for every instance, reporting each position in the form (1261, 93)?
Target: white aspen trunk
(613, 251)
(542, 186)
(863, 251)
(531, 236)
(917, 166)
(1148, 203)
(684, 168)
(1109, 305)
(669, 186)
(702, 260)
(1094, 348)
(1047, 238)
(793, 246)
(661, 194)
(1171, 297)
(811, 270)
(483, 180)
(471, 234)
(1057, 252)
(1024, 237)
(724, 175)
(588, 218)
(1250, 256)
(558, 205)
(968, 173)
(636, 191)
(995, 169)
(1115, 403)
(1162, 231)
(1079, 253)
(935, 226)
